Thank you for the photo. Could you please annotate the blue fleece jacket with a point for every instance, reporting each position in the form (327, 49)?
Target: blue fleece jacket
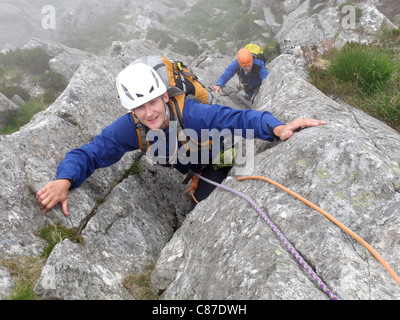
(120, 137)
(232, 70)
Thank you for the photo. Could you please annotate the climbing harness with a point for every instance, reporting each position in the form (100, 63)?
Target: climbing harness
(225, 158)
(192, 187)
(298, 257)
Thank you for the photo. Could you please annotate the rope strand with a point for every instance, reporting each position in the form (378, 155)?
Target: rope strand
(298, 257)
(342, 226)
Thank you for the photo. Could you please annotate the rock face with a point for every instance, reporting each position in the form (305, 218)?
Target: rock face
(64, 60)
(223, 249)
(349, 168)
(30, 156)
(124, 237)
(7, 109)
(139, 215)
(310, 25)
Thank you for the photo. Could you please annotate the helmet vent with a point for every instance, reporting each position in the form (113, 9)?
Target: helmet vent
(155, 79)
(127, 92)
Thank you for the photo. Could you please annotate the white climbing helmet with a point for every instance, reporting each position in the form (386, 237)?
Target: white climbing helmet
(137, 84)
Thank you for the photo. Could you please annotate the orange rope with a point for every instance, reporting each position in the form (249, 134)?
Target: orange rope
(343, 227)
(193, 186)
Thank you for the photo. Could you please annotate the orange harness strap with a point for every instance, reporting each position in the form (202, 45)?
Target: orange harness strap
(192, 187)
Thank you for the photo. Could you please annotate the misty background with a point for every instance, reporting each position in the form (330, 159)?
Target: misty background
(188, 27)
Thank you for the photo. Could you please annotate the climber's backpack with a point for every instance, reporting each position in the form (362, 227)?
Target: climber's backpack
(181, 83)
(256, 52)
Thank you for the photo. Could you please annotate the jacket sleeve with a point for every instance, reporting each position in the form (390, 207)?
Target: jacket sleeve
(228, 74)
(106, 149)
(199, 116)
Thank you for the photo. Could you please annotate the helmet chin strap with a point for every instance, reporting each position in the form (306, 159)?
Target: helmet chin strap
(165, 114)
(166, 111)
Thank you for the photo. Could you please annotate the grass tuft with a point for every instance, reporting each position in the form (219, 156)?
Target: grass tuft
(27, 270)
(54, 234)
(368, 67)
(364, 76)
(139, 285)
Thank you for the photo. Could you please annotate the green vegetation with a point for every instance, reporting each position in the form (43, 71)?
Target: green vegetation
(179, 4)
(227, 19)
(186, 47)
(33, 61)
(209, 20)
(367, 67)
(271, 50)
(27, 270)
(134, 168)
(23, 115)
(139, 285)
(364, 76)
(10, 91)
(34, 65)
(54, 234)
(52, 81)
(159, 37)
(389, 38)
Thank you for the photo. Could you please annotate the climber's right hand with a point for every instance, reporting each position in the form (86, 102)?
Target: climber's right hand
(217, 88)
(52, 193)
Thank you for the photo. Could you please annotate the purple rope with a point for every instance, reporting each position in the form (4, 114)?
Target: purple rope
(286, 242)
